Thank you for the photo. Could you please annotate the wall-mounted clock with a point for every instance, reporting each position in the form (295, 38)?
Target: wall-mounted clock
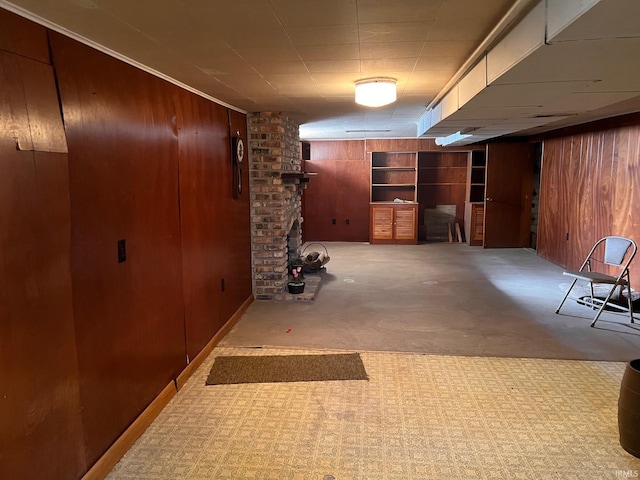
(238, 157)
(238, 150)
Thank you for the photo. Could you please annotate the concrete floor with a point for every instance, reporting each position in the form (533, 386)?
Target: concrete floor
(439, 298)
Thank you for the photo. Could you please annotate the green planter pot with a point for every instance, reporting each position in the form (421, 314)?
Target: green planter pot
(295, 288)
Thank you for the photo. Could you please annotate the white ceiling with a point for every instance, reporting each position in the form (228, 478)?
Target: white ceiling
(302, 57)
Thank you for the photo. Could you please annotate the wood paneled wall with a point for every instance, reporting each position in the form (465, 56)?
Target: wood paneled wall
(40, 423)
(88, 341)
(123, 172)
(336, 202)
(590, 188)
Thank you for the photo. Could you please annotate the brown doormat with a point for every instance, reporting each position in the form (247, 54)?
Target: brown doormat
(286, 368)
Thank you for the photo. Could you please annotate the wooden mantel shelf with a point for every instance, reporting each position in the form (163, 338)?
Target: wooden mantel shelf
(302, 176)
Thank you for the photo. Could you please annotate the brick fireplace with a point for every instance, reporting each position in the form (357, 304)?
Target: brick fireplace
(276, 201)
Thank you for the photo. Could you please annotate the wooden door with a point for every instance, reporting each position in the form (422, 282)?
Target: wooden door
(381, 222)
(405, 223)
(508, 195)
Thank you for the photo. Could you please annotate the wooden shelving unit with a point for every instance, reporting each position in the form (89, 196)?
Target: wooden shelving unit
(477, 176)
(441, 169)
(474, 210)
(394, 208)
(393, 176)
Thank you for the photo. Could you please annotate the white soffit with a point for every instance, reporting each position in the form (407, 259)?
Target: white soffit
(473, 82)
(525, 37)
(561, 13)
(529, 83)
(598, 19)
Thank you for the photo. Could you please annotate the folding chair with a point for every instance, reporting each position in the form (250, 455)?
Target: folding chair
(618, 254)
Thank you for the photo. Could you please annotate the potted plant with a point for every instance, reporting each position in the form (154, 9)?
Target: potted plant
(295, 284)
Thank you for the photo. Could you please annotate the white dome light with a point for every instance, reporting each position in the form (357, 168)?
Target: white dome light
(376, 92)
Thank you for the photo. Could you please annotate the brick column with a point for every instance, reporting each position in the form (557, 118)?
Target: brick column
(276, 204)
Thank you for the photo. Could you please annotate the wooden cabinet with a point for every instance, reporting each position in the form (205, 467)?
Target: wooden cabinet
(394, 223)
(476, 229)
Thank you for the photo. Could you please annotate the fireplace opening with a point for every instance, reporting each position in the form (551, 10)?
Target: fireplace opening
(294, 240)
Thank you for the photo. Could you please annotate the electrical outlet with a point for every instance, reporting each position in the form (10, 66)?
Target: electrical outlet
(122, 251)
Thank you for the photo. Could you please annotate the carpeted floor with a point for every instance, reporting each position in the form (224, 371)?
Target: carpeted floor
(471, 376)
(418, 417)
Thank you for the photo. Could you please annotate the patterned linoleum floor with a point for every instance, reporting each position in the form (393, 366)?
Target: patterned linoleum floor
(418, 417)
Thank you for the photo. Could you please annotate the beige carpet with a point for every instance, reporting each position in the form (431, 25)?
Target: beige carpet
(418, 417)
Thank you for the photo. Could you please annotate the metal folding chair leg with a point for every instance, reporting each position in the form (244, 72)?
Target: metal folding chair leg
(566, 295)
(604, 304)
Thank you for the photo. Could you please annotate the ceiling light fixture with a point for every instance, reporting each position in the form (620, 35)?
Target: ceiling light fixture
(376, 92)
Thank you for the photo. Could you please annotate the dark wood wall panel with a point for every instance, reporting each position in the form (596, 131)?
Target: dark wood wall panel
(553, 223)
(318, 207)
(343, 150)
(352, 200)
(123, 170)
(23, 37)
(590, 188)
(234, 225)
(391, 145)
(336, 201)
(40, 423)
(215, 245)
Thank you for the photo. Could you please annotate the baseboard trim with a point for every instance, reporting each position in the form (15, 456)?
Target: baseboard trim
(112, 456)
(208, 348)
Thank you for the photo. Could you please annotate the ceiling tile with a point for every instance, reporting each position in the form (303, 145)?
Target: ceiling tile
(394, 32)
(266, 54)
(370, 51)
(446, 64)
(225, 68)
(279, 67)
(305, 35)
(381, 11)
(327, 12)
(452, 48)
(330, 52)
(332, 66)
(374, 67)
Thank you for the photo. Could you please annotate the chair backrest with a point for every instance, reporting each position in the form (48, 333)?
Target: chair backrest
(616, 248)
